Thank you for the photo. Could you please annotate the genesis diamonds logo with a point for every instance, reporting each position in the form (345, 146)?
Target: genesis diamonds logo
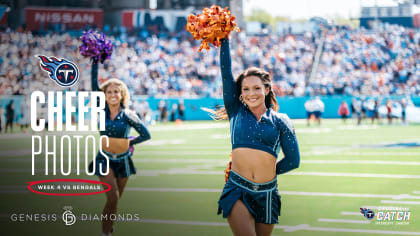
(68, 217)
(65, 73)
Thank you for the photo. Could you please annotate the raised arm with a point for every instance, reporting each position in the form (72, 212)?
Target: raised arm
(135, 122)
(95, 83)
(230, 91)
(289, 146)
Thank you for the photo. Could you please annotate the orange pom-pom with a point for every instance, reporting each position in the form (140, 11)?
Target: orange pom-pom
(227, 170)
(214, 24)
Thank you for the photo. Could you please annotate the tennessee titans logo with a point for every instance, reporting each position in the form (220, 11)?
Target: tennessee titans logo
(369, 214)
(65, 73)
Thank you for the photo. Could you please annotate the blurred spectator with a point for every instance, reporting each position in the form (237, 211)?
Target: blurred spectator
(309, 108)
(389, 110)
(356, 109)
(173, 112)
(403, 110)
(318, 107)
(10, 115)
(343, 111)
(163, 111)
(181, 109)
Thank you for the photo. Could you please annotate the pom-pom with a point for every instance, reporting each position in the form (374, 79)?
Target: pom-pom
(228, 168)
(214, 24)
(95, 46)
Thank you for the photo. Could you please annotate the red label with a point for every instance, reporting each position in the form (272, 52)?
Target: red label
(107, 187)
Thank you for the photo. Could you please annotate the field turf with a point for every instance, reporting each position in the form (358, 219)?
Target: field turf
(344, 167)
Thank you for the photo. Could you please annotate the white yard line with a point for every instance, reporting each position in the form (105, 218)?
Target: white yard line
(358, 195)
(387, 207)
(183, 222)
(313, 130)
(184, 171)
(295, 193)
(180, 171)
(380, 154)
(179, 160)
(344, 221)
(350, 213)
(182, 127)
(181, 190)
(197, 171)
(340, 174)
(183, 153)
(357, 127)
(220, 136)
(286, 228)
(362, 162)
(362, 231)
(194, 151)
(400, 202)
(416, 192)
(208, 160)
(14, 153)
(161, 142)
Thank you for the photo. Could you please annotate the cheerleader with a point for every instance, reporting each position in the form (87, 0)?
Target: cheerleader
(250, 199)
(119, 150)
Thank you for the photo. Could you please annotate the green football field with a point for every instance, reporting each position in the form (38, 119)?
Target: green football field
(344, 167)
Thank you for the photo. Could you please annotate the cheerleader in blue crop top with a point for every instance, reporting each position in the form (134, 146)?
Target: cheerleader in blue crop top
(250, 198)
(118, 121)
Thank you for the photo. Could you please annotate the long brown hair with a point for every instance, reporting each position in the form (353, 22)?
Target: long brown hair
(270, 98)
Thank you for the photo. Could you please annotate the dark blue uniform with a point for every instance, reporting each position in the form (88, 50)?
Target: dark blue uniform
(119, 127)
(273, 132)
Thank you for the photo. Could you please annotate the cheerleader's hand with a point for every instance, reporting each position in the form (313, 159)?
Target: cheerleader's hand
(131, 147)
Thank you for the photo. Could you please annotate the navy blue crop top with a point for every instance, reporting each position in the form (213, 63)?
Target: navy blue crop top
(272, 132)
(119, 127)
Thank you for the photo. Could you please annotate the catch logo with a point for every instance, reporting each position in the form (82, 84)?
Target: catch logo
(68, 217)
(65, 73)
(369, 214)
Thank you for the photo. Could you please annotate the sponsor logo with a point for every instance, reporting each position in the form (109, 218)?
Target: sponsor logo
(393, 216)
(388, 215)
(68, 217)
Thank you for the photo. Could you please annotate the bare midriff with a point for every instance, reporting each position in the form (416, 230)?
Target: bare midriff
(255, 165)
(116, 145)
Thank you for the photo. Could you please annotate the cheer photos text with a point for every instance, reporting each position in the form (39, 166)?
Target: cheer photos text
(40, 144)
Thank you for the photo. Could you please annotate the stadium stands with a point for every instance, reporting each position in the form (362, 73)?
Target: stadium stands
(353, 62)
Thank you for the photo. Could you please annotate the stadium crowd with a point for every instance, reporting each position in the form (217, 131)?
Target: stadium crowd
(385, 62)
(354, 62)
